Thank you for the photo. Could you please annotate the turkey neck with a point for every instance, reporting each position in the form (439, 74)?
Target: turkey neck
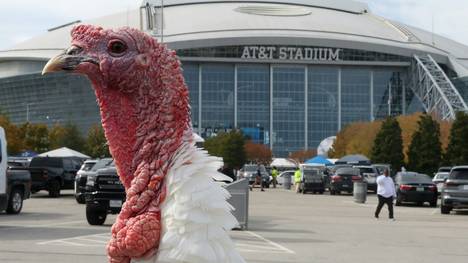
(145, 126)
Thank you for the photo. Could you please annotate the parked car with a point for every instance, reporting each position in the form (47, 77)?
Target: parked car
(417, 188)
(282, 175)
(88, 167)
(104, 195)
(369, 174)
(250, 171)
(15, 181)
(381, 167)
(455, 190)
(343, 180)
(53, 174)
(312, 180)
(445, 169)
(439, 180)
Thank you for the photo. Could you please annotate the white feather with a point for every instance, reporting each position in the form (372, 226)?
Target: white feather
(195, 215)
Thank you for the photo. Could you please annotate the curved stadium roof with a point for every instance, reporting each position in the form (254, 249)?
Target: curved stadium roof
(204, 23)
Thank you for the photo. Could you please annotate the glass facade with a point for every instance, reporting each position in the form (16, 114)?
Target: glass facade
(289, 107)
(192, 75)
(355, 95)
(288, 110)
(322, 104)
(217, 99)
(253, 102)
(52, 99)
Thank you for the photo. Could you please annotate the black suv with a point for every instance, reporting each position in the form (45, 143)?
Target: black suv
(104, 194)
(53, 174)
(88, 168)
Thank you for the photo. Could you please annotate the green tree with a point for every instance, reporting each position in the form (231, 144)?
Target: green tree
(34, 136)
(457, 150)
(229, 146)
(66, 136)
(388, 145)
(14, 142)
(425, 150)
(96, 143)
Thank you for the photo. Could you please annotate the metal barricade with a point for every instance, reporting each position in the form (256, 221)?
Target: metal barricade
(239, 191)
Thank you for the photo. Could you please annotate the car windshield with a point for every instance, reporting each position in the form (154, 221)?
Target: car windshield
(311, 172)
(459, 174)
(441, 176)
(414, 178)
(46, 162)
(253, 168)
(101, 164)
(87, 166)
(347, 171)
(366, 170)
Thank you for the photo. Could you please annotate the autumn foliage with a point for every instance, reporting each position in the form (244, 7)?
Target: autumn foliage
(358, 138)
(303, 155)
(258, 153)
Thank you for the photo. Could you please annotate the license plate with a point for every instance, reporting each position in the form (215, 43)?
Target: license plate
(115, 203)
(465, 187)
(345, 185)
(420, 189)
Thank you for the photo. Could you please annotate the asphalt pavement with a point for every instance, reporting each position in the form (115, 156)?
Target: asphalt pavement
(284, 227)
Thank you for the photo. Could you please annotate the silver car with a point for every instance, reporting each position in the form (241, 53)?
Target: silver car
(455, 190)
(439, 180)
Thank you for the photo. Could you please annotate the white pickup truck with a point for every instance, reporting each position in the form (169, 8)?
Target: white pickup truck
(15, 183)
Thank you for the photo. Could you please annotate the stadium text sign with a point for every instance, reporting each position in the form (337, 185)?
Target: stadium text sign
(291, 53)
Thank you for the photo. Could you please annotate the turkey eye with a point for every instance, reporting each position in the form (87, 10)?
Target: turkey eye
(117, 47)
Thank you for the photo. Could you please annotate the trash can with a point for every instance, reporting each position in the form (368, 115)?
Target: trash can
(287, 182)
(239, 199)
(360, 192)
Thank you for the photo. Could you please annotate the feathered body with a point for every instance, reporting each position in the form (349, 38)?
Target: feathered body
(174, 211)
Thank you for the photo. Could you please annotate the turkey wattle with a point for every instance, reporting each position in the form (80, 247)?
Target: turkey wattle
(174, 212)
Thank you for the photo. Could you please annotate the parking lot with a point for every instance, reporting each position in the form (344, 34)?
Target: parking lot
(284, 227)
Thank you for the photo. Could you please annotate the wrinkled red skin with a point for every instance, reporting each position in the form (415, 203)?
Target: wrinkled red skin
(144, 108)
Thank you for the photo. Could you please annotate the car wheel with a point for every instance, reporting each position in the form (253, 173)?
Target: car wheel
(15, 202)
(434, 203)
(95, 216)
(80, 199)
(321, 192)
(54, 188)
(445, 209)
(332, 192)
(420, 203)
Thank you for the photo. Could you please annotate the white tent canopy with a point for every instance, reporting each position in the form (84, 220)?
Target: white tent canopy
(282, 162)
(64, 152)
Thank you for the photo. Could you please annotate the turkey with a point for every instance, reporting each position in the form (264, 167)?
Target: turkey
(174, 211)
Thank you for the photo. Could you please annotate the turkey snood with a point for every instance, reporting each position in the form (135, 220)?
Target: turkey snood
(145, 114)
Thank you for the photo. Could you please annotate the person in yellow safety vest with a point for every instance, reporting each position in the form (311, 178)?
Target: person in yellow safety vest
(274, 174)
(297, 179)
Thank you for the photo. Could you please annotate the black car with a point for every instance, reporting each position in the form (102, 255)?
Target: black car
(88, 168)
(312, 180)
(53, 174)
(343, 180)
(417, 188)
(104, 195)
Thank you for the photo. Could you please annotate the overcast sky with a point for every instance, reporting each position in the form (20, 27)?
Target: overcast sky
(23, 19)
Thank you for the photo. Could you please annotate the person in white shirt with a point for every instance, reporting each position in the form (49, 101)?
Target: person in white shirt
(385, 193)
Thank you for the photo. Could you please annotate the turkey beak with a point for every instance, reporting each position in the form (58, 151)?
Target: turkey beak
(67, 61)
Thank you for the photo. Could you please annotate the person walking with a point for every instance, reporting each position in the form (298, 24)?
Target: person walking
(297, 179)
(258, 180)
(385, 193)
(274, 175)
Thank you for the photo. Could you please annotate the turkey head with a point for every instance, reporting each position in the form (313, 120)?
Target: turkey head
(144, 108)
